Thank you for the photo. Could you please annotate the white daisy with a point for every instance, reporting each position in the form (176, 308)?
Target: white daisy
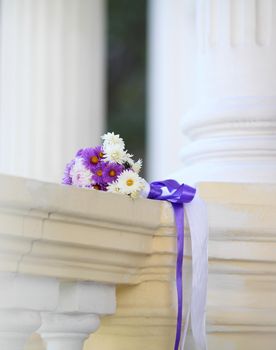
(81, 176)
(110, 139)
(130, 183)
(114, 187)
(115, 153)
(135, 194)
(137, 166)
(128, 159)
(130, 162)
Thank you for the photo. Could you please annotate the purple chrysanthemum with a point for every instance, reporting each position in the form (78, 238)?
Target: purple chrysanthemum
(67, 178)
(79, 153)
(92, 157)
(111, 172)
(98, 173)
(99, 187)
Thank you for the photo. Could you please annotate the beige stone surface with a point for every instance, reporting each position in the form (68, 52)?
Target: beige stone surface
(241, 290)
(35, 343)
(65, 232)
(74, 234)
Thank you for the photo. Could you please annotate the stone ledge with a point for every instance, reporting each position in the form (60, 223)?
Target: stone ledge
(69, 233)
(73, 234)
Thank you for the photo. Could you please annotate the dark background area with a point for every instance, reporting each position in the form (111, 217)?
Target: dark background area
(126, 76)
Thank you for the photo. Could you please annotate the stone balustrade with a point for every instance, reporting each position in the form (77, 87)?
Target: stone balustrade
(64, 252)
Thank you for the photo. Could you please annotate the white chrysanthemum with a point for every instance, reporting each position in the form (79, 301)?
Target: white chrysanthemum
(130, 183)
(115, 153)
(137, 166)
(128, 159)
(135, 194)
(110, 139)
(130, 162)
(81, 176)
(114, 187)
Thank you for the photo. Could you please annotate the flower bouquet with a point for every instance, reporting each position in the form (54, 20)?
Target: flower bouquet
(108, 167)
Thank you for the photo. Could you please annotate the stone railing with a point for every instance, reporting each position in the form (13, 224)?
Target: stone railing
(64, 252)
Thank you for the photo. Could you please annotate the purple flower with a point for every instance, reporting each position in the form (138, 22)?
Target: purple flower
(98, 173)
(79, 153)
(112, 171)
(67, 179)
(100, 187)
(92, 157)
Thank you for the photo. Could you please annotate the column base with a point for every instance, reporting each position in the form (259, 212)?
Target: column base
(67, 331)
(232, 139)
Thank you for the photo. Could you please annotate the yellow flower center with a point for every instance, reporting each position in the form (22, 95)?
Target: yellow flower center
(129, 182)
(112, 173)
(99, 172)
(101, 155)
(94, 160)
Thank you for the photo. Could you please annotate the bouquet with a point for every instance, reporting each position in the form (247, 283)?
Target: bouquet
(107, 167)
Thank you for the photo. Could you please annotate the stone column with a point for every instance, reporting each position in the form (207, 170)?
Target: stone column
(65, 331)
(171, 75)
(77, 315)
(232, 127)
(51, 85)
(21, 300)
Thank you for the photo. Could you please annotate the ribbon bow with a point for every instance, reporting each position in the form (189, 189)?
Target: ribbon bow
(178, 195)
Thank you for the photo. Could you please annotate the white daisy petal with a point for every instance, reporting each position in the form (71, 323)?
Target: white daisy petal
(130, 162)
(137, 166)
(135, 194)
(114, 187)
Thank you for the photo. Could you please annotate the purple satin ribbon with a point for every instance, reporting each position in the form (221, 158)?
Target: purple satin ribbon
(178, 195)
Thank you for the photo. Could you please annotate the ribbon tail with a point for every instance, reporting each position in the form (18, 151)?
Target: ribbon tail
(179, 221)
(198, 222)
(186, 326)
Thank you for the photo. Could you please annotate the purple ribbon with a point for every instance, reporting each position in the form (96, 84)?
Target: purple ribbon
(178, 195)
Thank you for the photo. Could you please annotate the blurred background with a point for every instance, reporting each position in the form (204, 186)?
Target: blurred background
(127, 72)
(190, 85)
(71, 70)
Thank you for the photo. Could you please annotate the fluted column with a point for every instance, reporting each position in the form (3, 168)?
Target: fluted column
(232, 127)
(170, 76)
(51, 85)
